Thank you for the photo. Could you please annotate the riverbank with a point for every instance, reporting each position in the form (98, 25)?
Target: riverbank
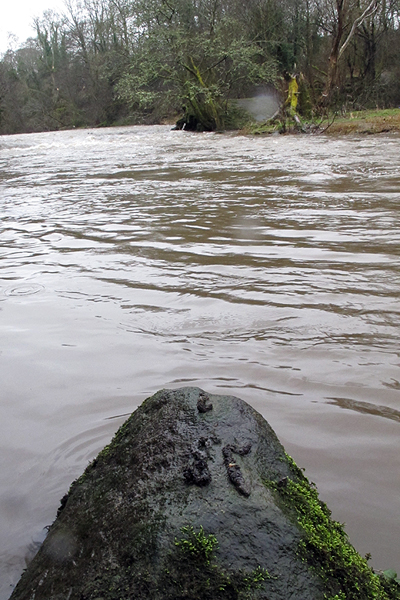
(354, 122)
(367, 121)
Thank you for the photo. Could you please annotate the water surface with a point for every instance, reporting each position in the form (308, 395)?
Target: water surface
(137, 258)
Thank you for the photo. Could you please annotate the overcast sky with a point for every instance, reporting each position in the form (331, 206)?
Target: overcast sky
(16, 17)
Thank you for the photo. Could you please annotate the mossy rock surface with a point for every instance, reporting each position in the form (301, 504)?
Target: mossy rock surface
(183, 504)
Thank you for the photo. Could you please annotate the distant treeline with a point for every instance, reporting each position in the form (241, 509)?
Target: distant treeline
(103, 62)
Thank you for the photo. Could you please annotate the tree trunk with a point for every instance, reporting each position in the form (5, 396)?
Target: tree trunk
(331, 82)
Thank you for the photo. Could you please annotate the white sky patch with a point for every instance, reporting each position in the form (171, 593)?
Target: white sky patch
(16, 18)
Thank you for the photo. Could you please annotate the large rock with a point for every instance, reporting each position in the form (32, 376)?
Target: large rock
(189, 501)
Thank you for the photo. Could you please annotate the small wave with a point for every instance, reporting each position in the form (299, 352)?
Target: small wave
(366, 408)
(24, 289)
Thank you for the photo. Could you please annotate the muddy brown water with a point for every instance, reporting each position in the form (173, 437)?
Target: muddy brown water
(139, 258)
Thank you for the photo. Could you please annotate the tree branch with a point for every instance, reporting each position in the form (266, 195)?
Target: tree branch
(370, 10)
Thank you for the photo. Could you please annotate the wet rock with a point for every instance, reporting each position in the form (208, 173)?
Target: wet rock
(191, 123)
(197, 471)
(203, 403)
(178, 506)
(233, 470)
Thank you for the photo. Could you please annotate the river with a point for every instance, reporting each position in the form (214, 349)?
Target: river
(138, 258)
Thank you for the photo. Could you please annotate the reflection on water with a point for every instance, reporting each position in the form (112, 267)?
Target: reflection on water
(367, 408)
(139, 258)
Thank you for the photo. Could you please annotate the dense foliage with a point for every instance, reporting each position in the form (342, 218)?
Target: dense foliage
(139, 61)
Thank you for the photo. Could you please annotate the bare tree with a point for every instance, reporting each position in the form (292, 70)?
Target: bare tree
(345, 17)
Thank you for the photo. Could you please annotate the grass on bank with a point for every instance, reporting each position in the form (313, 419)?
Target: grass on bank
(353, 122)
(367, 121)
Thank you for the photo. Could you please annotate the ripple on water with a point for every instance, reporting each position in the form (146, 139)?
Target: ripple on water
(24, 289)
(263, 267)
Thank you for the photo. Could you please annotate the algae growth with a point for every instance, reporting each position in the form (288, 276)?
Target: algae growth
(325, 546)
(194, 572)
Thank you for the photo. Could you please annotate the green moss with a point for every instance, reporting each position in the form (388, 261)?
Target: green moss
(294, 469)
(193, 571)
(325, 545)
(199, 545)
